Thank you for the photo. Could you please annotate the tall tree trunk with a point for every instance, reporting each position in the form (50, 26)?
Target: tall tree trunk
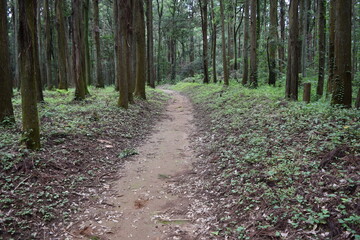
(98, 72)
(121, 13)
(86, 9)
(332, 17)
(223, 44)
(37, 58)
(282, 37)
(253, 44)
(245, 77)
(304, 33)
(160, 8)
(322, 49)
(204, 24)
(139, 27)
(48, 63)
(16, 47)
(27, 42)
(150, 44)
(79, 56)
(6, 108)
(213, 42)
(273, 42)
(292, 76)
(342, 73)
(62, 45)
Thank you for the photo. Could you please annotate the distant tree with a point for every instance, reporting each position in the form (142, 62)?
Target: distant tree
(6, 108)
(28, 53)
(253, 44)
(342, 70)
(37, 57)
(48, 46)
(63, 58)
(214, 24)
(160, 11)
(292, 76)
(85, 37)
(223, 44)
(246, 44)
(98, 72)
(150, 44)
(272, 42)
(203, 4)
(357, 103)
(139, 27)
(282, 36)
(78, 45)
(322, 49)
(331, 54)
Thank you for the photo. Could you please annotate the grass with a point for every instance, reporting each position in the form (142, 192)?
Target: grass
(281, 168)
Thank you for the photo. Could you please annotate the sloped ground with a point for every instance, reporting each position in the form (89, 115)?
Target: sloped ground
(272, 169)
(83, 146)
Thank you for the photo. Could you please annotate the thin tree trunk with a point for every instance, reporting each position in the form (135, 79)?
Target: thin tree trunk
(322, 49)
(245, 77)
(98, 72)
(49, 78)
(330, 82)
(282, 37)
(6, 108)
(86, 9)
(38, 69)
(273, 42)
(342, 73)
(160, 8)
(253, 44)
(62, 45)
(292, 76)
(203, 9)
(213, 42)
(150, 44)
(28, 54)
(223, 41)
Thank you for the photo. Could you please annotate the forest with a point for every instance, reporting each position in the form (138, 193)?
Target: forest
(179, 119)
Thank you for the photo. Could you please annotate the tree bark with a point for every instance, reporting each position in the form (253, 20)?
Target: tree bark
(282, 36)
(27, 42)
(253, 44)
(204, 24)
(6, 108)
(139, 27)
(62, 45)
(245, 77)
(223, 44)
(48, 47)
(332, 17)
(272, 42)
(292, 76)
(342, 73)
(98, 72)
(150, 44)
(86, 9)
(322, 49)
(160, 8)
(213, 42)
(38, 56)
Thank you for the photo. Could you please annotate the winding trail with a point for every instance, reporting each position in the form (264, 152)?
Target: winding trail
(139, 206)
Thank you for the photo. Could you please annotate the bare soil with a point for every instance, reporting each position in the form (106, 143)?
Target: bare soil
(139, 205)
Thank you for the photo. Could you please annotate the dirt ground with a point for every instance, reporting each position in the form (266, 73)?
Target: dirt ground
(139, 204)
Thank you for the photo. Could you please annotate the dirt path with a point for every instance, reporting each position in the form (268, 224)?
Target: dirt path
(137, 206)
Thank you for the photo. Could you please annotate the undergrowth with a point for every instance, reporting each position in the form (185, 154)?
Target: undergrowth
(81, 145)
(276, 169)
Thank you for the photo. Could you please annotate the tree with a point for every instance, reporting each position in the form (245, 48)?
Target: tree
(224, 57)
(292, 76)
(342, 70)
(6, 108)
(253, 44)
(213, 41)
(85, 21)
(48, 45)
(150, 44)
(322, 24)
(246, 44)
(62, 46)
(282, 36)
(27, 50)
(203, 4)
(332, 14)
(139, 26)
(160, 10)
(272, 42)
(98, 72)
(79, 50)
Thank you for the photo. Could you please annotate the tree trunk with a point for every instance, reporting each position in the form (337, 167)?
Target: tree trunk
(322, 49)
(160, 8)
(282, 36)
(273, 42)
(223, 44)
(213, 42)
(78, 44)
(98, 72)
(332, 17)
(38, 69)
(27, 42)
(253, 44)
(49, 78)
(6, 108)
(245, 77)
(62, 45)
(357, 103)
(150, 44)
(86, 9)
(292, 76)
(203, 10)
(139, 26)
(342, 73)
